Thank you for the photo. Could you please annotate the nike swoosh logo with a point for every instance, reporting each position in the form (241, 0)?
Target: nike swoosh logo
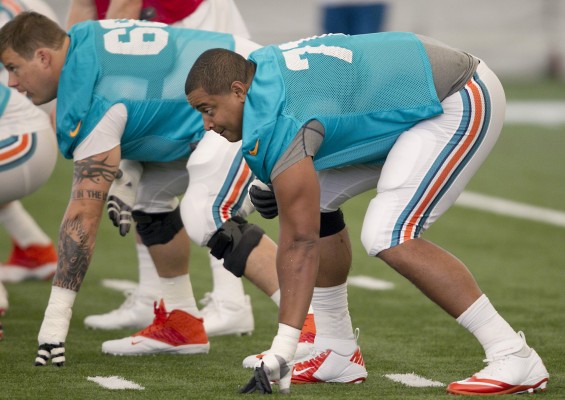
(133, 343)
(74, 132)
(301, 372)
(254, 151)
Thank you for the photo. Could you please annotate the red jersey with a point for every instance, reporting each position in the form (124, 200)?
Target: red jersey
(167, 11)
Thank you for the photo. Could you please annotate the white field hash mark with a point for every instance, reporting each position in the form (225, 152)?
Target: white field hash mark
(511, 208)
(120, 285)
(413, 380)
(547, 113)
(366, 282)
(115, 383)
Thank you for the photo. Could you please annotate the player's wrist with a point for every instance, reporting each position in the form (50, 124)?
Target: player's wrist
(57, 317)
(286, 341)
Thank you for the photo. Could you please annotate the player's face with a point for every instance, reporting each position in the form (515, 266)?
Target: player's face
(29, 77)
(221, 113)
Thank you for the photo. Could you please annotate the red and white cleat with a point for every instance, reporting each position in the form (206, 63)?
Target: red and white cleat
(519, 372)
(33, 262)
(175, 332)
(328, 366)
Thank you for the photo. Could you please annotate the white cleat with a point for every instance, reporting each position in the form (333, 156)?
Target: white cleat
(136, 312)
(223, 317)
(519, 372)
(328, 366)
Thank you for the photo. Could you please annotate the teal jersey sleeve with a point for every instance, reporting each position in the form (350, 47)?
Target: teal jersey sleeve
(365, 90)
(142, 65)
(4, 97)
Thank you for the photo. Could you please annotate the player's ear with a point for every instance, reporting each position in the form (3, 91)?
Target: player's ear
(44, 56)
(239, 89)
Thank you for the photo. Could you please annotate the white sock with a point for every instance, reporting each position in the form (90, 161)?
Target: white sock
(333, 324)
(21, 226)
(226, 286)
(149, 284)
(178, 295)
(493, 333)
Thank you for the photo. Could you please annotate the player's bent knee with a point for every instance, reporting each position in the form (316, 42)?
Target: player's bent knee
(198, 211)
(233, 243)
(331, 223)
(158, 228)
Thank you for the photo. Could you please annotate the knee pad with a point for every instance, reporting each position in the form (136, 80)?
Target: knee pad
(233, 243)
(331, 223)
(157, 228)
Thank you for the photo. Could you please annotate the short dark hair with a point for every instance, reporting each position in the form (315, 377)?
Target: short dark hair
(216, 69)
(29, 31)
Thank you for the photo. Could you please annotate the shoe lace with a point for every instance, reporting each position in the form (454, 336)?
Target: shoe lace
(494, 364)
(497, 362)
(161, 315)
(317, 354)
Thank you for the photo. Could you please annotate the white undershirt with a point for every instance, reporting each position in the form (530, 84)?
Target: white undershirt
(106, 135)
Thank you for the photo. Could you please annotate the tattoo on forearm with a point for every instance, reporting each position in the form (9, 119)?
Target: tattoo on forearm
(88, 195)
(75, 253)
(94, 170)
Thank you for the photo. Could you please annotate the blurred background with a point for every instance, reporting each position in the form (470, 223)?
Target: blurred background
(519, 39)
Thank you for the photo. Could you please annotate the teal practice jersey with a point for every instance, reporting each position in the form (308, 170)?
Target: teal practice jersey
(365, 90)
(142, 65)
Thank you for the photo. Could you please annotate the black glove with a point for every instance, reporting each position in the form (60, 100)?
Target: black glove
(271, 368)
(122, 195)
(264, 201)
(258, 382)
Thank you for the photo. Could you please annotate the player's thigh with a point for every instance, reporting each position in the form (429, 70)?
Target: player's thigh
(341, 184)
(219, 180)
(431, 163)
(26, 163)
(160, 186)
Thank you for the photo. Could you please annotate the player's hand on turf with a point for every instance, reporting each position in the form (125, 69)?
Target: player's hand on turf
(122, 194)
(263, 198)
(53, 351)
(271, 368)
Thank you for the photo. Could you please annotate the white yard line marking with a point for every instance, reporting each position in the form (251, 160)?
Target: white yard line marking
(548, 113)
(511, 208)
(413, 380)
(121, 285)
(115, 383)
(367, 282)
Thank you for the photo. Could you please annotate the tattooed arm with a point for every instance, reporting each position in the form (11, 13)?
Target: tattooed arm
(77, 236)
(92, 179)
